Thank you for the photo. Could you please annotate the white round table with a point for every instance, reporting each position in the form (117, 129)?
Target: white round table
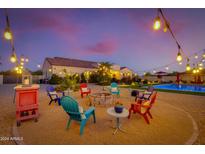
(124, 114)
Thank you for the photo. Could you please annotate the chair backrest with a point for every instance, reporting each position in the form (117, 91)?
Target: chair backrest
(150, 89)
(114, 84)
(50, 89)
(71, 107)
(153, 97)
(83, 85)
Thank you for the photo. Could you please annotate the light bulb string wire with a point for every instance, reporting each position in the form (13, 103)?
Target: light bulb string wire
(174, 62)
(167, 24)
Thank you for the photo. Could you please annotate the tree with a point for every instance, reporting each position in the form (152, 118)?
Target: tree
(104, 73)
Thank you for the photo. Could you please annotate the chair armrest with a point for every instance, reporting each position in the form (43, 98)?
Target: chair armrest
(89, 111)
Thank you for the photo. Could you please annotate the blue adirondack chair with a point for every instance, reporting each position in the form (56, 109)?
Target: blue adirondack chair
(52, 95)
(71, 107)
(114, 89)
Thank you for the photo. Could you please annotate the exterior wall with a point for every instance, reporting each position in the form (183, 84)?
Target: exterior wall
(1, 79)
(126, 72)
(46, 73)
(59, 70)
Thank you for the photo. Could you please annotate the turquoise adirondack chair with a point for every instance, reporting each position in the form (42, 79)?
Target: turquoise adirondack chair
(71, 107)
(114, 89)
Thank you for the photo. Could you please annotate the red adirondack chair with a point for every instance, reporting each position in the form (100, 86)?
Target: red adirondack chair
(143, 107)
(84, 89)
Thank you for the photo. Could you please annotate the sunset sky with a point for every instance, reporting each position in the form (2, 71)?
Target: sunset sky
(121, 36)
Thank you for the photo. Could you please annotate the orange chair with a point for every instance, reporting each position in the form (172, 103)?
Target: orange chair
(143, 107)
(84, 89)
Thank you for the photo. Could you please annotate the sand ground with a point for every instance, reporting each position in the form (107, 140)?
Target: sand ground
(168, 126)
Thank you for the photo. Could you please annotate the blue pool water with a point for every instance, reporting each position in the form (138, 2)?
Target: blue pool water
(193, 88)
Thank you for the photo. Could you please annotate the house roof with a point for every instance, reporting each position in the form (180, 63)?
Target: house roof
(59, 61)
(124, 67)
(121, 68)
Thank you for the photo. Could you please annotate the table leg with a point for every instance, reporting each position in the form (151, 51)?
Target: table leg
(118, 127)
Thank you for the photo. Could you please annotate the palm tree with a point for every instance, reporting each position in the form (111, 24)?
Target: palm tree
(104, 74)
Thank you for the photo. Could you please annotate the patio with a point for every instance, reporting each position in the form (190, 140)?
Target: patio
(172, 122)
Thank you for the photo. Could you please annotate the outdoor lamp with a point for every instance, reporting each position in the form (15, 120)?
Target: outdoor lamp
(8, 34)
(157, 23)
(26, 60)
(21, 67)
(13, 58)
(22, 63)
(179, 57)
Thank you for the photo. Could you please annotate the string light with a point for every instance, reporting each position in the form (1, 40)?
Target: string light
(179, 56)
(188, 68)
(196, 56)
(157, 23)
(13, 58)
(8, 34)
(167, 68)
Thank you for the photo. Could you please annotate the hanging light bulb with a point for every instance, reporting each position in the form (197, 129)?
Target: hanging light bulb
(194, 71)
(203, 55)
(196, 56)
(179, 56)
(8, 34)
(16, 68)
(13, 58)
(22, 63)
(200, 68)
(201, 64)
(166, 25)
(188, 68)
(27, 60)
(180, 63)
(157, 23)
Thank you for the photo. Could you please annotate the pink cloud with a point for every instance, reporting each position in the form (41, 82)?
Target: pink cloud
(56, 22)
(107, 47)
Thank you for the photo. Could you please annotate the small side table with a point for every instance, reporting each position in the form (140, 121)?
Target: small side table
(124, 114)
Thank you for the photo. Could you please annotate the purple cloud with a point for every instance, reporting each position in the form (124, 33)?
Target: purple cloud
(107, 47)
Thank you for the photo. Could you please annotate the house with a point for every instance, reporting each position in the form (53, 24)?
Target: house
(126, 72)
(60, 66)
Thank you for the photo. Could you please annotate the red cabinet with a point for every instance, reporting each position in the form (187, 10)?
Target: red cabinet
(26, 103)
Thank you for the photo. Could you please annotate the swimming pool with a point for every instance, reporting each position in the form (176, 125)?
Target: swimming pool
(192, 88)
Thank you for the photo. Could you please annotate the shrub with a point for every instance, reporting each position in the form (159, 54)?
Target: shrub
(145, 81)
(55, 79)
